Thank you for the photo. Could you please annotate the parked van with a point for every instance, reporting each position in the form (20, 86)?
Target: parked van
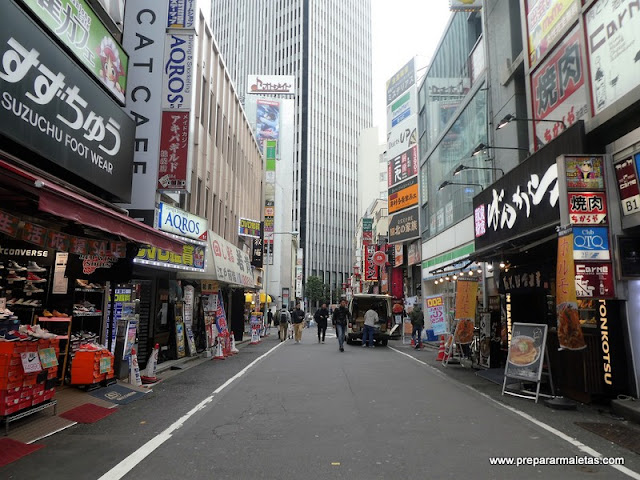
(359, 304)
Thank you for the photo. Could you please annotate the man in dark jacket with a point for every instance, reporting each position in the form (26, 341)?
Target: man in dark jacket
(297, 317)
(417, 320)
(320, 317)
(341, 317)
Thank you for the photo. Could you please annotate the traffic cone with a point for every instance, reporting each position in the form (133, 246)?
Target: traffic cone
(234, 349)
(440, 356)
(150, 372)
(219, 355)
(134, 370)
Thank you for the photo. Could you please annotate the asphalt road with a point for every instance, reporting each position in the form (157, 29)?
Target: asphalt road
(309, 411)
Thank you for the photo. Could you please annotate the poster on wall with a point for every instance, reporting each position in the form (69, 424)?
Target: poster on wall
(584, 172)
(570, 335)
(558, 90)
(613, 33)
(436, 314)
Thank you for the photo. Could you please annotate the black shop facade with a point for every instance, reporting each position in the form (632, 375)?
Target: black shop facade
(517, 224)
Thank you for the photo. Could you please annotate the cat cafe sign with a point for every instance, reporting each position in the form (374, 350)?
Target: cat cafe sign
(521, 201)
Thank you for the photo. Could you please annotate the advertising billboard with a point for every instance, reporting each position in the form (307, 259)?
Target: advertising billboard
(267, 121)
(402, 137)
(613, 35)
(403, 166)
(546, 20)
(75, 24)
(401, 81)
(51, 106)
(558, 90)
(403, 226)
(173, 168)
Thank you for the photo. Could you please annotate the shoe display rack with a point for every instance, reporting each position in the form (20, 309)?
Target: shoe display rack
(25, 287)
(91, 367)
(24, 393)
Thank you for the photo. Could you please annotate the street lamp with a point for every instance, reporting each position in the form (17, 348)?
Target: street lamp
(510, 118)
(446, 183)
(461, 168)
(482, 147)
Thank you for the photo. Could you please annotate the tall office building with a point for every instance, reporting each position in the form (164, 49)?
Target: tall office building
(326, 45)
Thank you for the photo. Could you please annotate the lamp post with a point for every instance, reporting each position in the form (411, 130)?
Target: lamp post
(446, 183)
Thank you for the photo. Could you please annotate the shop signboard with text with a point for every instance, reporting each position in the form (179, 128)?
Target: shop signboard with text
(367, 230)
(401, 81)
(181, 14)
(402, 137)
(594, 280)
(271, 84)
(179, 222)
(403, 166)
(192, 257)
(591, 243)
(627, 176)
(613, 34)
(173, 167)
(587, 208)
(74, 24)
(436, 314)
(53, 108)
(249, 228)
(559, 91)
(523, 200)
(403, 195)
(404, 226)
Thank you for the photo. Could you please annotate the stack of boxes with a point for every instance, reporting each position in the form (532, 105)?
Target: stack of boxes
(20, 390)
(91, 366)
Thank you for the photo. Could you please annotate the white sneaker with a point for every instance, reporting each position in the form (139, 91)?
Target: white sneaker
(34, 267)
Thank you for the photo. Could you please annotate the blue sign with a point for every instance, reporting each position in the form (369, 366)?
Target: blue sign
(591, 243)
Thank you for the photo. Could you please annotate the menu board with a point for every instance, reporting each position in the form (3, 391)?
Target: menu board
(526, 351)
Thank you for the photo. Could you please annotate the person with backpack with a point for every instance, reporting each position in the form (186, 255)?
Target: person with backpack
(297, 318)
(284, 320)
(417, 320)
(340, 318)
(321, 316)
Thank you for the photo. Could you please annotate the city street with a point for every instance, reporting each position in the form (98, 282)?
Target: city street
(290, 411)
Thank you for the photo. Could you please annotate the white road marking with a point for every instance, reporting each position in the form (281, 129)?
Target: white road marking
(579, 445)
(126, 465)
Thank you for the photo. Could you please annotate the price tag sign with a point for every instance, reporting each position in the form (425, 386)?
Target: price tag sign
(48, 358)
(105, 364)
(30, 362)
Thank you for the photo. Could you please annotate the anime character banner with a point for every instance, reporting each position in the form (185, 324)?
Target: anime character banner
(75, 24)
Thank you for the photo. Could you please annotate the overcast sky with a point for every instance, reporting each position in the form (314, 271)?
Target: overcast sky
(401, 30)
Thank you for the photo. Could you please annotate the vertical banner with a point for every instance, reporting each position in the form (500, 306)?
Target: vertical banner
(269, 199)
(466, 299)
(436, 314)
(570, 335)
(221, 318)
(370, 268)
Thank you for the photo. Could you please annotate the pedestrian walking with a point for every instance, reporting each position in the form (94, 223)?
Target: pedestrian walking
(285, 320)
(297, 317)
(370, 320)
(269, 318)
(417, 321)
(321, 316)
(340, 318)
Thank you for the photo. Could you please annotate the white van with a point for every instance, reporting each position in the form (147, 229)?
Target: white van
(359, 304)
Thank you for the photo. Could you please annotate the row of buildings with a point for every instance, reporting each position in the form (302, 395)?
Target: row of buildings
(526, 128)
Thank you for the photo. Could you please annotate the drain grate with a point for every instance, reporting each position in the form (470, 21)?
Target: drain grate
(619, 434)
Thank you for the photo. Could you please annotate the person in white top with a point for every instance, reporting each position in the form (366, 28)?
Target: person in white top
(370, 320)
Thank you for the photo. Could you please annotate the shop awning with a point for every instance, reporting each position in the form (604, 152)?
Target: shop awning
(63, 202)
(263, 296)
(226, 264)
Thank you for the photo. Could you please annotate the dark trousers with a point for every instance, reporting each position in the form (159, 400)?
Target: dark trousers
(417, 334)
(322, 329)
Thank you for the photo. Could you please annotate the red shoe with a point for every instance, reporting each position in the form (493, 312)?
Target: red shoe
(33, 278)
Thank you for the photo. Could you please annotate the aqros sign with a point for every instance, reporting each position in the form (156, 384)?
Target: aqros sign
(177, 79)
(174, 220)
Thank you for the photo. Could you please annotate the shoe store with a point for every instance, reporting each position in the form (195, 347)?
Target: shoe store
(66, 153)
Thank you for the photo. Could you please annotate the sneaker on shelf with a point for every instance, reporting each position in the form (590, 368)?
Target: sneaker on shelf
(10, 337)
(13, 265)
(14, 277)
(82, 283)
(33, 278)
(31, 288)
(7, 312)
(34, 267)
(1, 265)
(58, 314)
(20, 301)
(47, 313)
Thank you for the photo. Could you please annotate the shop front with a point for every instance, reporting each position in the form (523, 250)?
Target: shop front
(65, 154)
(542, 276)
(227, 276)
